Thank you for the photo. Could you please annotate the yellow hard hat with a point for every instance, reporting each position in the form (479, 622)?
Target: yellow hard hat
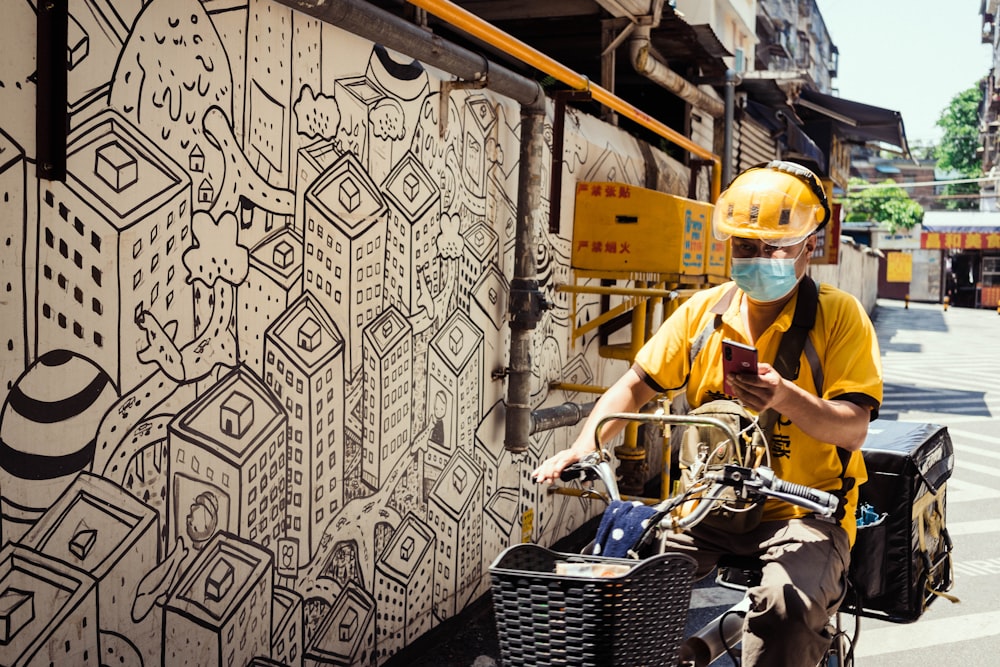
(778, 202)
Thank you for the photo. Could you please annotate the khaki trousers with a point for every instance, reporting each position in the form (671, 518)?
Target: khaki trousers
(803, 582)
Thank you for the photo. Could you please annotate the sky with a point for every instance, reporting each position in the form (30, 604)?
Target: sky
(912, 56)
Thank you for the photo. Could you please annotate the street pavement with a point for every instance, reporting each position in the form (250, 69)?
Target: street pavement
(941, 367)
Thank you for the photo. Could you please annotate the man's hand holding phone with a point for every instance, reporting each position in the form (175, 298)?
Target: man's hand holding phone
(737, 359)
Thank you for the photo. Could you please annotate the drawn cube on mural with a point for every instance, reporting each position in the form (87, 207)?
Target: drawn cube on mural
(345, 249)
(401, 576)
(48, 611)
(414, 203)
(287, 632)
(478, 118)
(273, 282)
(13, 199)
(304, 369)
(220, 611)
(454, 381)
(388, 379)
(455, 514)
(226, 464)
(347, 636)
(103, 530)
(113, 248)
(482, 250)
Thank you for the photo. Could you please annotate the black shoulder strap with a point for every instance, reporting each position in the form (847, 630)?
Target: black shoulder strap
(793, 341)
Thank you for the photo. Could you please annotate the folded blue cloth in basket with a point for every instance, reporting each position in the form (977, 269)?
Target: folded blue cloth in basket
(621, 527)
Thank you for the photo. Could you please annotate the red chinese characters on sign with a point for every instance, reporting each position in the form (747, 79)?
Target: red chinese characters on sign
(609, 190)
(609, 247)
(960, 240)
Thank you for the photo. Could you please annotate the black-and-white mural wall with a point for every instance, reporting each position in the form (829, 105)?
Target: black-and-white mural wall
(252, 347)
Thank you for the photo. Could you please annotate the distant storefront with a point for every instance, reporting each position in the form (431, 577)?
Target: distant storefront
(969, 243)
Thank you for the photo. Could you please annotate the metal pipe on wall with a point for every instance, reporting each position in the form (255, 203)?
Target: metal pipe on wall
(646, 63)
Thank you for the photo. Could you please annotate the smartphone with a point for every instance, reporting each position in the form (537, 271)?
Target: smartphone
(736, 358)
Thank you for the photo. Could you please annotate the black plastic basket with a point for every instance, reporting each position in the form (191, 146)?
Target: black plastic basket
(544, 618)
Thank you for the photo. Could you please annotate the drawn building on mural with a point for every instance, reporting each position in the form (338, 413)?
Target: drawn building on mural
(226, 464)
(13, 193)
(455, 514)
(287, 631)
(481, 251)
(388, 379)
(454, 381)
(49, 611)
(220, 611)
(283, 54)
(273, 282)
(489, 313)
(304, 369)
(401, 575)
(99, 528)
(478, 121)
(414, 203)
(110, 246)
(358, 97)
(345, 249)
(313, 160)
(501, 510)
(347, 635)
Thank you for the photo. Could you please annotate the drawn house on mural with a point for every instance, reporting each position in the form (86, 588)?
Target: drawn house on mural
(414, 203)
(304, 369)
(113, 248)
(388, 380)
(226, 464)
(345, 249)
(401, 576)
(49, 611)
(105, 531)
(220, 611)
(478, 120)
(347, 636)
(454, 381)
(273, 282)
(358, 97)
(287, 631)
(13, 335)
(455, 514)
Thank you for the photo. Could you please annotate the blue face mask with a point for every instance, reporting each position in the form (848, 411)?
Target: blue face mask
(765, 279)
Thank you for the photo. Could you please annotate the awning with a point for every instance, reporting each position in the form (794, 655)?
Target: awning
(961, 230)
(855, 122)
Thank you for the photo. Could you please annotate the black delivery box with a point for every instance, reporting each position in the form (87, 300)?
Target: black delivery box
(902, 561)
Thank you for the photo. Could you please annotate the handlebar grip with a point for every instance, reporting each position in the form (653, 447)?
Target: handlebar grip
(576, 472)
(823, 499)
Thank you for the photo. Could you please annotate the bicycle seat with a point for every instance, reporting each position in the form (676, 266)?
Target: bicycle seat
(738, 572)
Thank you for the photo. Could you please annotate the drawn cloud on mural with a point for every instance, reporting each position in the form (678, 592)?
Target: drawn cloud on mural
(450, 243)
(216, 254)
(318, 115)
(387, 119)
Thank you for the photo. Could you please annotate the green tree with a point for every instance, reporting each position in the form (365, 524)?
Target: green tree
(884, 202)
(957, 151)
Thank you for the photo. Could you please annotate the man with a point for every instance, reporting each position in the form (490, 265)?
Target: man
(771, 215)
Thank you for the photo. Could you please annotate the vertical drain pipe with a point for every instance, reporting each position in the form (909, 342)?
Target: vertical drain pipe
(727, 137)
(526, 300)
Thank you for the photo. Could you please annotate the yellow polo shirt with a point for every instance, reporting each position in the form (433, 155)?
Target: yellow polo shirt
(845, 342)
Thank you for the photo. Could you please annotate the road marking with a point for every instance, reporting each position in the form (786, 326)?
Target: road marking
(714, 596)
(927, 633)
(974, 568)
(968, 466)
(960, 491)
(980, 437)
(974, 527)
